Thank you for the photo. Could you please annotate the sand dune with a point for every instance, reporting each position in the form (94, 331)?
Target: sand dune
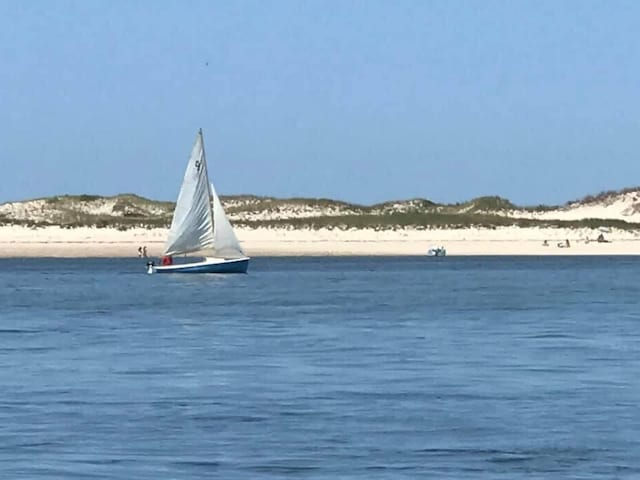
(620, 206)
(121, 239)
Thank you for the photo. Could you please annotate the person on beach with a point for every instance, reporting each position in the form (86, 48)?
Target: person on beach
(144, 251)
(139, 252)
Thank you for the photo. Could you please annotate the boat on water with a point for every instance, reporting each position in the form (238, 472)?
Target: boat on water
(437, 252)
(200, 230)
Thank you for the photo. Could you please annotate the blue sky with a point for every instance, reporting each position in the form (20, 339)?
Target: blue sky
(365, 101)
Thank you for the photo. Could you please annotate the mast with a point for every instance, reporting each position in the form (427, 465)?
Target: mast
(206, 173)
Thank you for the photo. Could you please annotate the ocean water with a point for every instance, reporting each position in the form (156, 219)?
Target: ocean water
(322, 368)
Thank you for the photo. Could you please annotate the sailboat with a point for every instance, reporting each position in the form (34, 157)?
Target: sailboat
(199, 228)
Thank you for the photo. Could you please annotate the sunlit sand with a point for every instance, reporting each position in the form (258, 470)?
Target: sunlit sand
(17, 241)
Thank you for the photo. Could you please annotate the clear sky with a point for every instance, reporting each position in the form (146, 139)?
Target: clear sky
(537, 101)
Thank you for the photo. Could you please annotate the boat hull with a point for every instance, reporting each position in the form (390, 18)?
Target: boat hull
(210, 265)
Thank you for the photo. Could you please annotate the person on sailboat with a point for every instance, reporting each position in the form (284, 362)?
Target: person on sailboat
(167, 260)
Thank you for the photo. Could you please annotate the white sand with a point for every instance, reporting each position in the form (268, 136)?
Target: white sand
(94, 242)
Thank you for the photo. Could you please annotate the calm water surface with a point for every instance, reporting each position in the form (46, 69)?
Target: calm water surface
(322, 368)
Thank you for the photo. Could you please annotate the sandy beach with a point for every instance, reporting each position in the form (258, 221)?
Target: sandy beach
(16, 241)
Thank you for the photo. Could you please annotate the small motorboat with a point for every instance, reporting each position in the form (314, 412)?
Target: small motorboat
(437, 252)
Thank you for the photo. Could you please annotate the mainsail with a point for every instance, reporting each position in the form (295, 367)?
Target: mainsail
(225, 242)
(192, 224)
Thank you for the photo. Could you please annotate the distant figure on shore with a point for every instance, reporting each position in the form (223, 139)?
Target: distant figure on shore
(545, 244)
(564, 244)
(144, 251)
(601, 239)
(139, 252)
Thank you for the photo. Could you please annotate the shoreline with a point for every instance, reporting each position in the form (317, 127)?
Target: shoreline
(18, 241)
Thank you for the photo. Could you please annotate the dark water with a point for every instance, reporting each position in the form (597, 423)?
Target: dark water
(322, 368)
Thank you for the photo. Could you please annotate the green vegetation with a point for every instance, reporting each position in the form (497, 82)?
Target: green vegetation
(129, 210)
(432, 220)
(490, 204)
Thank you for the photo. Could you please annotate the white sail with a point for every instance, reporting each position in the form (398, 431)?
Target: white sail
(192, 224)
(226, 243)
